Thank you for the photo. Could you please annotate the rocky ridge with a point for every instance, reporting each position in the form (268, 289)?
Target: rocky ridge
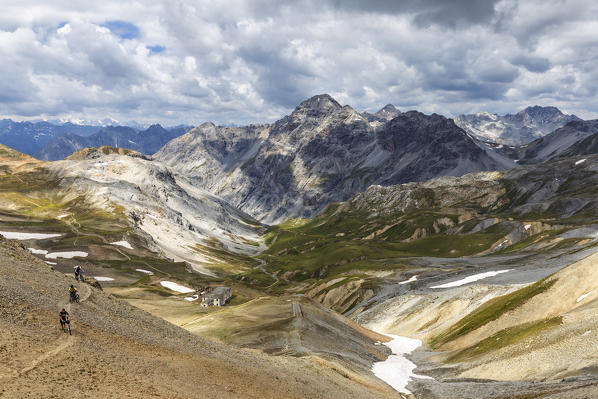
(322, 152)
(514, 129)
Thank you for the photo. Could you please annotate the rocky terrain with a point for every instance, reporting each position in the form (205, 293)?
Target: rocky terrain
(320, 153)
(117, 350)
(486, 268)
(176, 219)
(147, 141)
(514, 129)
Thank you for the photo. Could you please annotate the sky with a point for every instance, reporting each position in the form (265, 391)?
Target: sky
(239, 62)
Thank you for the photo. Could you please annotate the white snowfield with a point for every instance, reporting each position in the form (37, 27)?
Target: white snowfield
(38, 251)
(176, 287)
(145, 271)
(173, 211)
(122, 244)
(397, 370)
(412, 279)
(66, 255)
(100, 278)
(582, 297)
(192, 298)
(17, 235)
(50, 263)
(580, 161)
(62, 216)
(471, 279)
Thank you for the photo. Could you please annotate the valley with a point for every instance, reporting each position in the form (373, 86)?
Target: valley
(340, 234)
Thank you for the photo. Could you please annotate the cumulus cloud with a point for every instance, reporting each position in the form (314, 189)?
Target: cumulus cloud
(235, 61)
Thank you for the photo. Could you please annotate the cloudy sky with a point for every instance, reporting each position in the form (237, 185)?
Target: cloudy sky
(232, 61)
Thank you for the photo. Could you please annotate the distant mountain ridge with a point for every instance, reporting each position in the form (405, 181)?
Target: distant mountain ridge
(514, 129)
(147, 141)
(31, 137)
(322, 152)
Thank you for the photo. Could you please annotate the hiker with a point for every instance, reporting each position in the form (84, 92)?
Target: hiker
(78, 273)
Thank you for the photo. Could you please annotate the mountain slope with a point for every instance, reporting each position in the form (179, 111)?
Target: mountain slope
(147, 141)
(570, 140)
(185, 223)
(513, 130)
(119, 351)
(322, 152)
(546, 330)
(12, 161)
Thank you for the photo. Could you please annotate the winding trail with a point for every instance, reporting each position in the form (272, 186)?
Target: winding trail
(70, 340)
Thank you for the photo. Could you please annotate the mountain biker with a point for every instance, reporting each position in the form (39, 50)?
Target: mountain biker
(63, 316)
(78, 272)
(73, 292)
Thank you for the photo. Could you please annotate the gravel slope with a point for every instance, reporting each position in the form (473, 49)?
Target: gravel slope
(119, 351)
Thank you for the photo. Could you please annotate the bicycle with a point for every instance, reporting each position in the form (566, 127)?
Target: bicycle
(68, 326)
(74, 297)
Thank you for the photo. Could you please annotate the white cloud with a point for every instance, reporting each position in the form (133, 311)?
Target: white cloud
(239, 61)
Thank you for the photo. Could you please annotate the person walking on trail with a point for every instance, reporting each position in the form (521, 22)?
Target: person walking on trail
(64, 318)
(78, 273)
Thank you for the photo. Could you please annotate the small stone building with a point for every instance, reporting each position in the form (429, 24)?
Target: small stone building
(218, 296)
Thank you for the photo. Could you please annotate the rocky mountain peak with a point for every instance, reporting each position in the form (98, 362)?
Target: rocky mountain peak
(388, 112)
(514, 129)
(316, 107)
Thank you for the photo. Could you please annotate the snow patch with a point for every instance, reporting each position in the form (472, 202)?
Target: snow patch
(122, 244)
(581, 298)
(145, 271)
(38, 251)
(586, 333)
(192, 298)
(66, 255)
(50, 263)
(471, 279)
(17, 235)
(527, 226)
(62, 216)
(412, 279)
(100, 278)
(176, 287)
(397, 370)
(580, 161)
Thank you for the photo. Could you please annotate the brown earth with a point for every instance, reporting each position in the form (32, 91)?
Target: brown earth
(118, 351)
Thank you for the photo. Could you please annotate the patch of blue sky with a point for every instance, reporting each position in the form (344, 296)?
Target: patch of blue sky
(156, 49)
(122, 29)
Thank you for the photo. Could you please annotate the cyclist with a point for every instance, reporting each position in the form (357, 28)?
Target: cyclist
(63, 316)
(78, 272)
(73, 293)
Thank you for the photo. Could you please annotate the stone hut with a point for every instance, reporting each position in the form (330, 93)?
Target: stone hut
(218, 296)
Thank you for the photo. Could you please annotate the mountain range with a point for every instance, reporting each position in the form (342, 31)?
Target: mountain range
(147, 141)
(323, 152)
(31, 137)
(514, 129)
(403, 222)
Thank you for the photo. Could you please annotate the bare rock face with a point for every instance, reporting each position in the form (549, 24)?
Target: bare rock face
(322, 152)
(514, 130)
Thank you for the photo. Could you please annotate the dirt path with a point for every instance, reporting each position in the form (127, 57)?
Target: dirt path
(69, 341)
(75, 230)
